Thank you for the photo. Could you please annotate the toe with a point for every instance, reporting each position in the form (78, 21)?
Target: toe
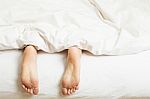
(31, 91)
(77, 87)
(71, 91)
(68, 91)
(64, 91)
(23, 87)
(35, 87)
(35, 91)
(74, 89)
(29, 87)
(28, 90)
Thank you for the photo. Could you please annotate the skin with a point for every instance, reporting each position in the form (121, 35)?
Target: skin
(70, 79)
(29, 78)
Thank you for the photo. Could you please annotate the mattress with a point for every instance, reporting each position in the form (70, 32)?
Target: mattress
(102, 77)
(114, 27)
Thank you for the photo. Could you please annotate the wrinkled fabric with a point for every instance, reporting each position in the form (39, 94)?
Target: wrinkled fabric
(111, 27)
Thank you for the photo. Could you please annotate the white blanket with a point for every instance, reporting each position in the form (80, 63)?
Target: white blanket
(110, 27)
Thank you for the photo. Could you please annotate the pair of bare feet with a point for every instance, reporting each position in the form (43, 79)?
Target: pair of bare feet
(70, 79)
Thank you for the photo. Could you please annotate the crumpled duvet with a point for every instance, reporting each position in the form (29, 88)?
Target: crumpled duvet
(110, 27)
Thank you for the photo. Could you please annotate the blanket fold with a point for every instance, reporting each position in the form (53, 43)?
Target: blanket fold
(113, 27)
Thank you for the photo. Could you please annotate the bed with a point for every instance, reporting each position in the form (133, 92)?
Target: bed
(109, 28)
(102, 77)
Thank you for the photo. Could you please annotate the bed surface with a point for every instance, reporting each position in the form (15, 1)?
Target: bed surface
(102, 77)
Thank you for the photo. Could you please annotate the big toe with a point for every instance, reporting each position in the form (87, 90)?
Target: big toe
(35, 87)
(35, 91)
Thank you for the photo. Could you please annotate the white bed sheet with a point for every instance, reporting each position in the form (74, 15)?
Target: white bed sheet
(102, 77)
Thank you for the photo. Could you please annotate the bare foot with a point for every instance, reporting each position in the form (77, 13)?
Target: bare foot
(71, 77)
(29, 74)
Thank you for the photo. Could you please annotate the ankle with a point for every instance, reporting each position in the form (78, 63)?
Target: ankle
(30, 48)
(74, 55)
(73, 60)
